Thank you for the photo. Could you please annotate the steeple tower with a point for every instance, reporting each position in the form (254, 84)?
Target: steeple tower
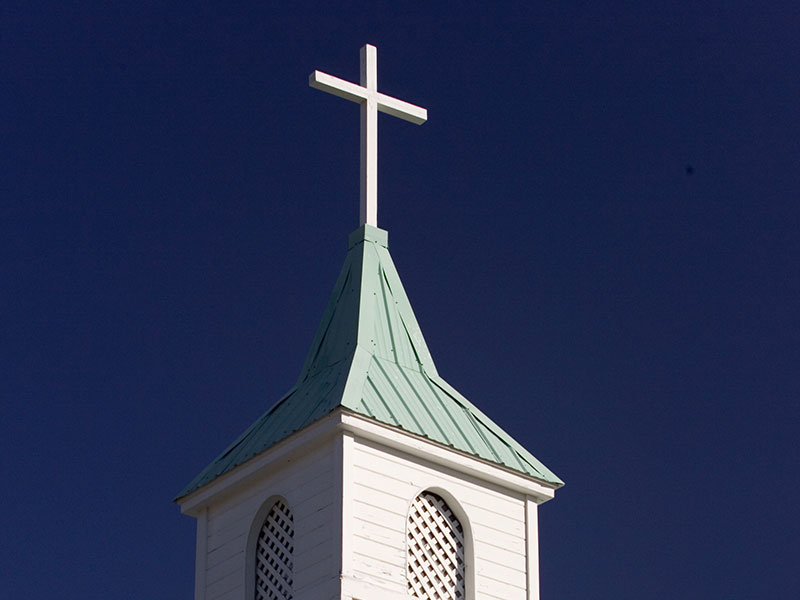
(372, 477)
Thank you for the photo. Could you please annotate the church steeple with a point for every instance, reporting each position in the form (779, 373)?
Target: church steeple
(372, 477)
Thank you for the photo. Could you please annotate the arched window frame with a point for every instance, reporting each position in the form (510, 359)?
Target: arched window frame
(251, 554)
(468, 552)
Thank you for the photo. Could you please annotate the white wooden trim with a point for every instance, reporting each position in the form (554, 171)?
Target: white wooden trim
(201, 546)
(346, 513)
(532, 545)
(341, 420)
(432, 452)
(298, 443)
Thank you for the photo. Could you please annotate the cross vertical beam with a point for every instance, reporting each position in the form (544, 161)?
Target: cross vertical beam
(369, 136)
(371, 102)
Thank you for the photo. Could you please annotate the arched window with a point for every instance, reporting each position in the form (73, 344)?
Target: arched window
(435, 541)
(274, 549)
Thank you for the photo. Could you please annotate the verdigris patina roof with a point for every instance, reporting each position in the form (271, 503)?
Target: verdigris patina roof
(369, 357)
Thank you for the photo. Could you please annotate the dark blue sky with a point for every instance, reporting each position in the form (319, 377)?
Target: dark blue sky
(598, 229)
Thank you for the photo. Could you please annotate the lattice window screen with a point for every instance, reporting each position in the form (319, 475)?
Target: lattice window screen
(435, 550)
(274, 550)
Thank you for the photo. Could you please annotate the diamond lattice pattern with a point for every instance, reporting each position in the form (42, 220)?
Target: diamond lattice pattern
(274, 555)
(435, 550)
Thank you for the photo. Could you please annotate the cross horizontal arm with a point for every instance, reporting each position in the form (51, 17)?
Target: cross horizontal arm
(337, 87)
(404, 110)
(356, 93)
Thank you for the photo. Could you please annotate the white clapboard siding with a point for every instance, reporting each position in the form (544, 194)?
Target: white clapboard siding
(493, 539)
(324, 589)
(350, 498)
(225, 552)
(385, 482)
(500, 556)
(224, 568)
(224, 585)
(235, 594)
(491, 586)
(309, 486)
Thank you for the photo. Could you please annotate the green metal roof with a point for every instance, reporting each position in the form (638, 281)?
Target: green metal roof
(369, 356)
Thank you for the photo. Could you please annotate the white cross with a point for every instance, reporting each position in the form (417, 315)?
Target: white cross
(371, 102)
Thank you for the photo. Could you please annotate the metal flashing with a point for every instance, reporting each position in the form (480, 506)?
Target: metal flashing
(370, 234)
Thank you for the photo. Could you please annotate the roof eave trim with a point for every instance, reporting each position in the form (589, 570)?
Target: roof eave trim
(300, 441)
(342, 419)
(420, 447)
